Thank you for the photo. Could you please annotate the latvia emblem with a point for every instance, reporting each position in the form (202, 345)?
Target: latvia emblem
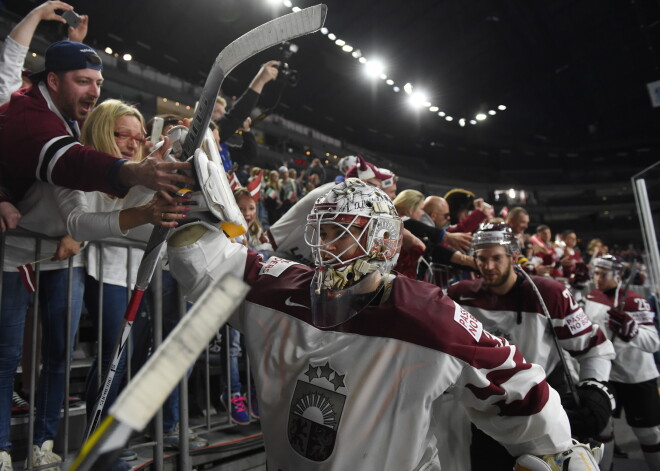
(315, 411)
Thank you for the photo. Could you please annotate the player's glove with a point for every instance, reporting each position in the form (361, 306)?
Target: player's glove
(579, 457)
(596, 406)
(623, 324)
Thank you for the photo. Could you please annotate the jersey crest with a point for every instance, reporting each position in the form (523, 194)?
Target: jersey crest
(315, 411)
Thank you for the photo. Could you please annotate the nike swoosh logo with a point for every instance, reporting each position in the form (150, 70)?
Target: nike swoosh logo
(288, 302)
(465, 298)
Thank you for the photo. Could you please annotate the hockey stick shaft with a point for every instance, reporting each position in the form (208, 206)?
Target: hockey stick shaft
(143, 396)
(260, 38)
(567, 373)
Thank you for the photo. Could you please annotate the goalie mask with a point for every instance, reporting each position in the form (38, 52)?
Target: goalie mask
(355, 236)
(495, 233)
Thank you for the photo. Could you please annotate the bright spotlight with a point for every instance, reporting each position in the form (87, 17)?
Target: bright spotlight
(363, 60)
(287, 3)
(390, 82)
(382, 76)
(433, 109)
(108, 50)
(396, 89)
(357, 53)
(481, 117)
(511, 193)
(127, 57)
(417, 99)
(492, 112)
(501, 107)
(408, 88)
(461, 122)
(295, 9)
(449, 118)
(347, 48)
(340, 42)
(374, 68)
(472, 121)
(441, 113)
(331, 37)
(324, 30)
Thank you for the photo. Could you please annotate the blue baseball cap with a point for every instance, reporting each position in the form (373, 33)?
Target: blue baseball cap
(67, 55)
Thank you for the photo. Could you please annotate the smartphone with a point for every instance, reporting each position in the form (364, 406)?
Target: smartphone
(72, 18)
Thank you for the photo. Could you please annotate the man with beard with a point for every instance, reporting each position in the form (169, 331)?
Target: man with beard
(505, 302)
(39, 130)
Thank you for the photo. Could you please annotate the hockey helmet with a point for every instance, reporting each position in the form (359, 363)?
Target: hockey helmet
(495, 233)
(347, 163)
(365, 235)
(609, 263)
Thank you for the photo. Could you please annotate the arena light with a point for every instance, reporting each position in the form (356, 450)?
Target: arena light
(433, 109)
(492, 112)
(481, 117)
(501, 107)
(362, 60)
(340, 42)
(331, 37)
(408, 88)
(382, 77)
(108, 50)
(417, 99)
(396, 89)
(324, 30)
(473, 122)
(295, 9)
(357, 53)
(374, 68)
(127, 57)
(441, 113)
(287, 3)
(449, 118)
(461, 122)
(347, 48)
(390, 82)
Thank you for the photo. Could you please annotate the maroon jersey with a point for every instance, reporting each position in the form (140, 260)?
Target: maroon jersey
(36, 143)
(518, 316)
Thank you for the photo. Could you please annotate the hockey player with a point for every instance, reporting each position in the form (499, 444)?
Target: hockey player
(627, 318)
(348, 361)
(504, 301)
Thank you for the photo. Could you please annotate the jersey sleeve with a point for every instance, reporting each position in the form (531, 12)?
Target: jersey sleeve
(576, 333)
(507, 397)
(647, 337)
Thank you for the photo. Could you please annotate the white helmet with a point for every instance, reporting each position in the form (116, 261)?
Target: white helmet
(347, 162)
(342, 282)
(495, 233)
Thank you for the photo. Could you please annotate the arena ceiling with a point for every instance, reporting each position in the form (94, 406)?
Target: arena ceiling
(572, 74)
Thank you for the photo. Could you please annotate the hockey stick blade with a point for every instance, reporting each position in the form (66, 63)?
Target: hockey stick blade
(269, 34)
(143, 396)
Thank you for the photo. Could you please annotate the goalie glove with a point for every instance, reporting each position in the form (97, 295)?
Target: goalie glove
(623, 324)
(596, 406)
(579, 457)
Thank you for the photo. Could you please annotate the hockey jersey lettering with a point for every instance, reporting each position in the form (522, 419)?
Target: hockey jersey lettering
(468, 322)
(274, 266)
(577, 322)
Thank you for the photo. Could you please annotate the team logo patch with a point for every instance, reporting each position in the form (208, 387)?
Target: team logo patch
(577, 322)
(275, 266)
(468, 322)
(315, 411)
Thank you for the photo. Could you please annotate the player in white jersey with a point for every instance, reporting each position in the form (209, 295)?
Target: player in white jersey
(505, 302)
(627, 318)
(348, 358)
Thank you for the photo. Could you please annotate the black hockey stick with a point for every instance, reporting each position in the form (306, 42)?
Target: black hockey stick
(142, 398)
(620, 295)
(260, 38)
(567, 373)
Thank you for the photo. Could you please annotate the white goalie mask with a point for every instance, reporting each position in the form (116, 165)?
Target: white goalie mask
(355, 235)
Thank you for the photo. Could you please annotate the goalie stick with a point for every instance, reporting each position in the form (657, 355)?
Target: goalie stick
(143, 396)
(269, 34)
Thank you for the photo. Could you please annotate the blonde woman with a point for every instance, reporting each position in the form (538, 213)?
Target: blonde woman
(409, 204)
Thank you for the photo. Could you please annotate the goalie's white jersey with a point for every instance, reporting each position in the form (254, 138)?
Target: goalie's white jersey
(359, 396)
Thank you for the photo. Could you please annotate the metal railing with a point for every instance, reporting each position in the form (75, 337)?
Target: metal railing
(155, 441)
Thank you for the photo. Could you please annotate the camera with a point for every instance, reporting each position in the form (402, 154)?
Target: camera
(287, 74)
